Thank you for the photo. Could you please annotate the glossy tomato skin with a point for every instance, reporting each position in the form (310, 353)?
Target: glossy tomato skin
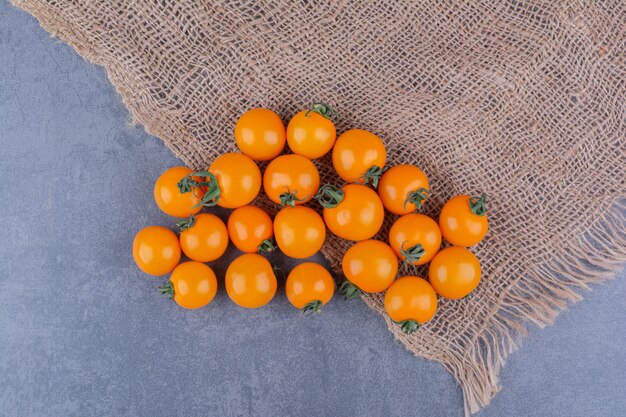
(194, 285)
(356, 151)
(371, 265)
(310, 134)
(288, 174)
(248, 227)
(454, 272)
(169, 198)
(397, 184)
(156, 250)
(411, 298)
(250, 281)
(413, 229)
(260, 134)
(299, 231)
(309, 282)
(239, 179)
(359, 216)
(206, 240)
(459, 225)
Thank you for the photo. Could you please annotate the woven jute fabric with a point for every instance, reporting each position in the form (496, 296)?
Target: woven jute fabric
(520, 99)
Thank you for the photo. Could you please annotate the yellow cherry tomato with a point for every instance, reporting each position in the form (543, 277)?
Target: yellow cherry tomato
(415, 238)
(169, 198)
(359, 156)
(463, 220)
(454, 272)
(204, 238)
(250, 229)
(358, 216)
(299, 231)
(291, 179)
(192, 285)
(156, 250)
(250, 281)
(260, 134)
(370, 266)
(309, 286)
(311, 133)
(238, 178)
(403, 189)
(410, 301)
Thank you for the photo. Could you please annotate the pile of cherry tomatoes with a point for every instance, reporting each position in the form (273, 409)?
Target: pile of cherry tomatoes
(354, 211)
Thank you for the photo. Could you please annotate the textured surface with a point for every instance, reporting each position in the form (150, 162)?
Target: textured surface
(520, 100)
(84, 333)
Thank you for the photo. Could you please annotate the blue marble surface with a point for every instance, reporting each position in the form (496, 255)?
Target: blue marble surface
(84, 333)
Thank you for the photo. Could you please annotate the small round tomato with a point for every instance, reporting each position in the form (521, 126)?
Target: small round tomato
(369, 266)
(454, 272)
(358, 216)
(260, 134)
(238, 178)
(169, 198)
(156, 250)
(359, 156)
(311, 133)
(403, 189)
(415, 238)
(410, 301)
(291, 179)
(309, 286)
(203, 237)
(299, 231)
(192, 285)
(463, 220)
(250, 281)
(250, 229)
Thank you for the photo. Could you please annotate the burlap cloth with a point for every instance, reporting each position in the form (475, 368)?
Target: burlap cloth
(520, 99)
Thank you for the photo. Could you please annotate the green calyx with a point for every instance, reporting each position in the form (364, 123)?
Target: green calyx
(372, 175)
(289, 199)
(478, 204)
(212, 194)
(408, 326)
(348, 290)
(167, 288)
(322, 109)
(329, 196)
(312, 307)
(417, 197)
(266, 246)
(412, 254)
(186, 223)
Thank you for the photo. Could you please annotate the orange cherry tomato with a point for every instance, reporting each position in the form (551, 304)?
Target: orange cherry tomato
(454, 272)
(415, 238)
(250, 281)
(309, 286)
(238, 177)
(358, 216)
(250, 229)
(169, 198)
(463, 220)
(192, 285)
(299, 231)
(156, 250)
(370, 266)
(260, 134)
(205, 238)
(291, 179)
(403, 189)
(359, 156)
(410, 301)
(311, 133)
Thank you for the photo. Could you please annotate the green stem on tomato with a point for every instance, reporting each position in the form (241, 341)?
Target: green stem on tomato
(408, 326)
(478, 204)
(168, 289)
(349, 291)
(417, 197)
(312, 307)
(372, 175)
(322, 109)
(329, 196)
